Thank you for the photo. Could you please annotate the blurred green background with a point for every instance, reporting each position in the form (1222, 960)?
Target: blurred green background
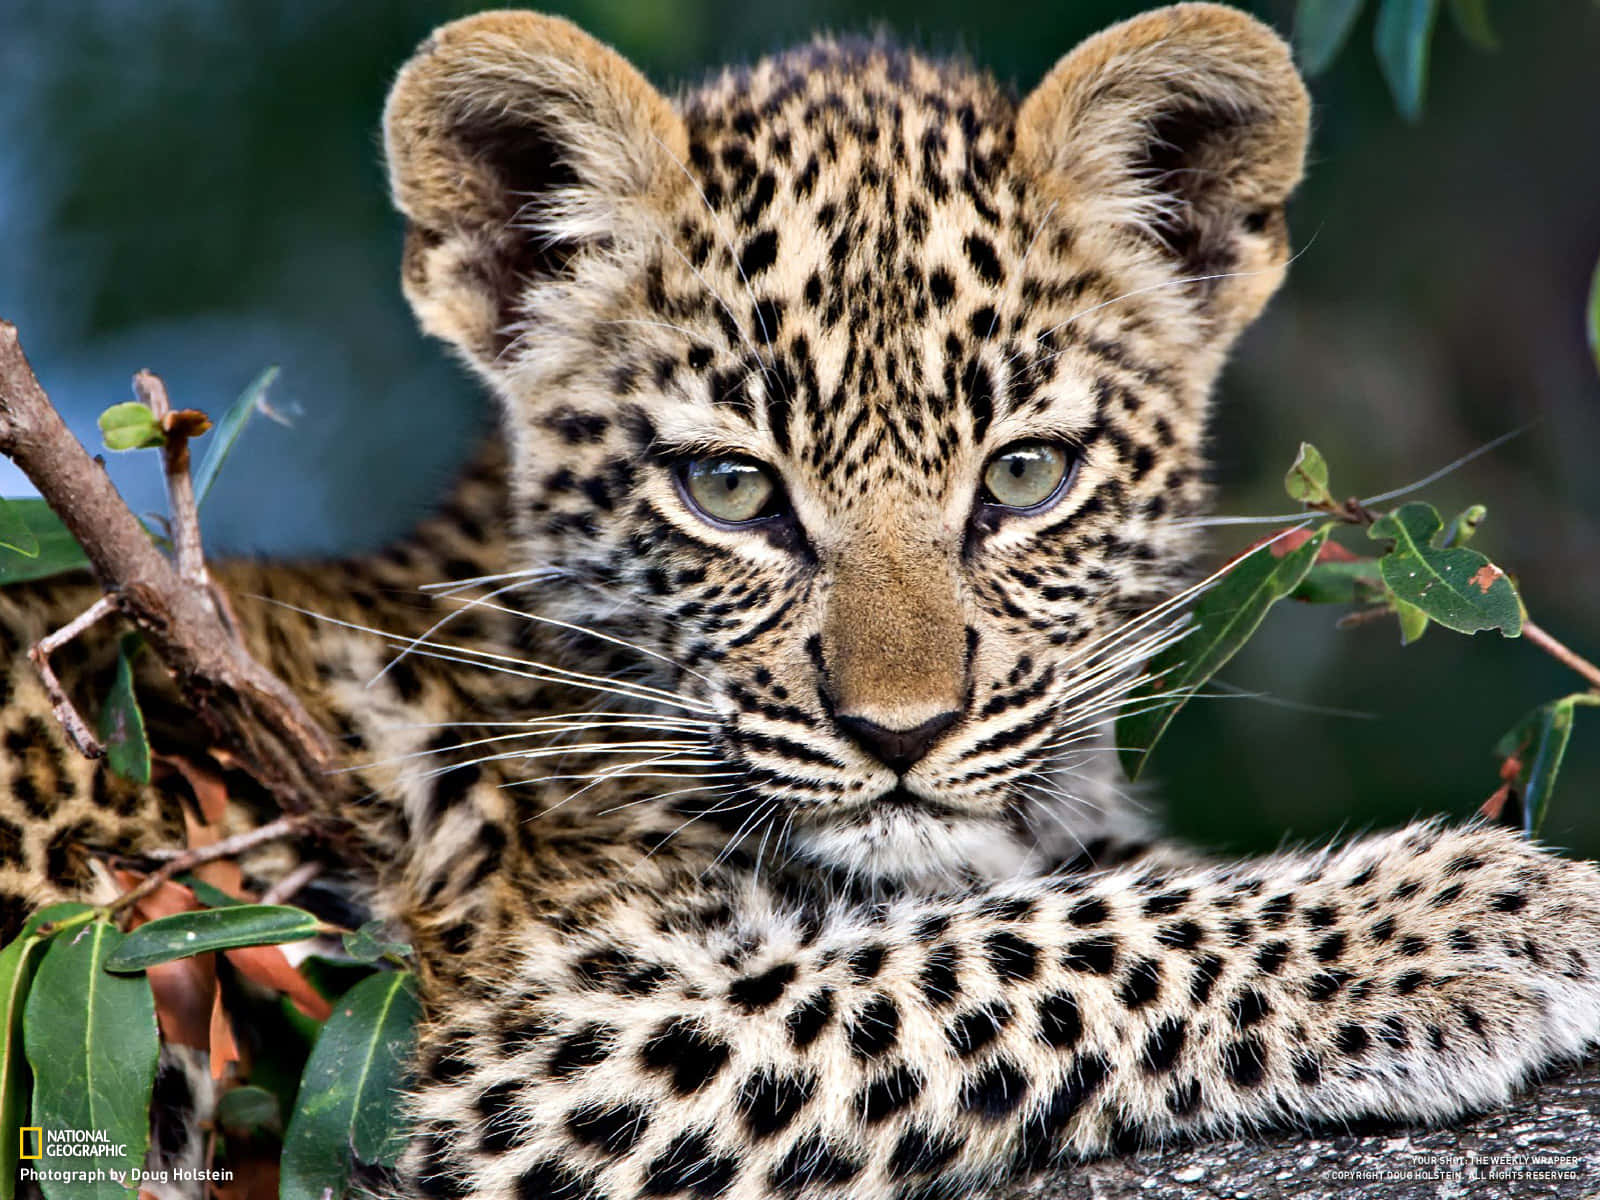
(195, 186)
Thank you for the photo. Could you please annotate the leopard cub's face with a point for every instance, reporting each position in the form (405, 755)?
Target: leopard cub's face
(858, 393)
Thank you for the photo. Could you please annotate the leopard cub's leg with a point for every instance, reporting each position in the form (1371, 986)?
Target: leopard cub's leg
(934, 1046)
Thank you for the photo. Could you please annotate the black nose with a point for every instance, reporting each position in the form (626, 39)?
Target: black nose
(897, 749)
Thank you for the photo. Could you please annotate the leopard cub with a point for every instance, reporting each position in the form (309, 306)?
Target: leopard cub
(754, 818)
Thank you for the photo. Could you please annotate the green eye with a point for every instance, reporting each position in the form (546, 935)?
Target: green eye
(729, 490)
(1025, 474)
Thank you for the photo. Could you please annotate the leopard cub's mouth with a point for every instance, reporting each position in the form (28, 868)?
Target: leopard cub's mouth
(900, 796)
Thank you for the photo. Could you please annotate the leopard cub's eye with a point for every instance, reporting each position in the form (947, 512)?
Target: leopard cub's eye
(728, 490)
(1025, 475)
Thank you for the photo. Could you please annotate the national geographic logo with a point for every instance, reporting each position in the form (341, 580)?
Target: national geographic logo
(37, 1143)
(91, 1156)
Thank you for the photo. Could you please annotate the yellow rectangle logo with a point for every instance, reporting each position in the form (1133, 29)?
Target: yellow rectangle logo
(38, 1141)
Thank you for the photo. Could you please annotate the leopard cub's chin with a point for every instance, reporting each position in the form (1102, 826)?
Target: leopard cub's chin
(920, 845)
(898, 844)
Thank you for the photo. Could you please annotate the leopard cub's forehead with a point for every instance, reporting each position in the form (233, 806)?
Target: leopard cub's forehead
(851, 130)
(859, 248)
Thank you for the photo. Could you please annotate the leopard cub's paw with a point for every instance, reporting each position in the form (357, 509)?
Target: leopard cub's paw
(1516, 920)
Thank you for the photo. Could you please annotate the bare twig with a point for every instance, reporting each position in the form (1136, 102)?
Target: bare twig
(1562, 654)
(180, 487)
(289, 886)
(60, 703)
(1357, 512)
(1362, 616)
(248, 709)
(1351, 512)
(187, 860)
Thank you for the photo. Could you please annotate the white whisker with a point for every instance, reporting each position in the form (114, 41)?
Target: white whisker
(602, 747)
(544, 672)
(676, 756)
(1445, 470)
(450, 586)
(654, 797)
(422, 638)
(594, 633)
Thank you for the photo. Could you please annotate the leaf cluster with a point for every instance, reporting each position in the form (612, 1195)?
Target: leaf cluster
(1402, 36)
(83, 1026)
(1425, 574)
(85, 1004)
(34, 544)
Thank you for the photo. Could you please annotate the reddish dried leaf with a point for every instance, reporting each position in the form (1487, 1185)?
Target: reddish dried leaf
(1287, 543)
(185, 992)
(225, 875)
(211, 794)
(1283, 542)
(185, 989)
(1491, 808)
(209, 790)
(268, 967)
(167, 899)
(224, 1050)
(254, 1178)
(221, 873)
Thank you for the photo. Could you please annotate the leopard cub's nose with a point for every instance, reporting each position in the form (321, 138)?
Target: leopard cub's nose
(897, 749)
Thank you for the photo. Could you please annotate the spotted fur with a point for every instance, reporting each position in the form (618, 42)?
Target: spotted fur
(785, 859)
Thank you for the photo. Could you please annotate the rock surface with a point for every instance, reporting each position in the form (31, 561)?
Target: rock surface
(1491, 1156)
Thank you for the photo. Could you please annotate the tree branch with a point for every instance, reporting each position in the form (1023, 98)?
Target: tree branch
(185, 514)
(1562, 654)
(186, 860)
(245, 706)
(60, 703)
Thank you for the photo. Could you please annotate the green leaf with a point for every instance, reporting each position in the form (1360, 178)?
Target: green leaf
(121, 723)
(333, 977)
(1457, 587)
(1321, 28)
(228, 430)
(1472, 19)
(1307, 480)
(15, 534)
(1464, 525)
(1341, 583)
(1224, 618)
(1403, 34)
(55, 550)
(17, 964)
(349, 1105)
(187, 933)
(59, 917)
(92, 1042)
(274, 1021)
(1594, 316)
(1539, 742)
(130, 426)
(208, 894)
(249, 1112)
(1413, 621)
(367, 944)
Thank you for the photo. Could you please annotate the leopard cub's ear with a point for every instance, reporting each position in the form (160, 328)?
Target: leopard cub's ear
(516, 142)
(1183, 131)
